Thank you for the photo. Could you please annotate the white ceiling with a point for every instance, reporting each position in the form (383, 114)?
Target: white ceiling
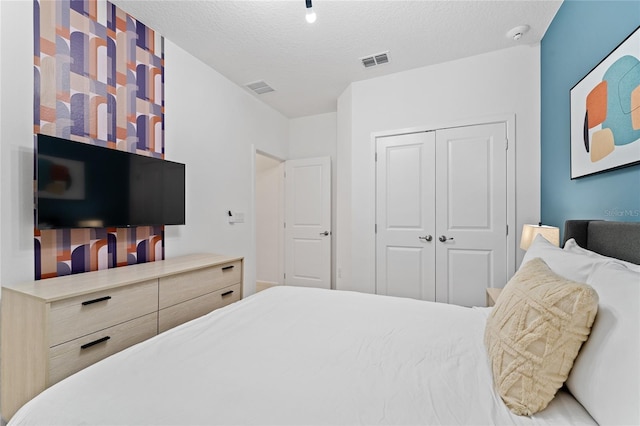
(310, 65)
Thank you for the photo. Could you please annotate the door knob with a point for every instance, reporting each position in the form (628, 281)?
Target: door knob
(426, 238)
(442, 238)
(325, 233)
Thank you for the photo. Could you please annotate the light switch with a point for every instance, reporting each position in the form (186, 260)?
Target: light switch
(235, 217)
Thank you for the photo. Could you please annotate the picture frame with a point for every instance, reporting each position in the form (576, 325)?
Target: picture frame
(605, 112)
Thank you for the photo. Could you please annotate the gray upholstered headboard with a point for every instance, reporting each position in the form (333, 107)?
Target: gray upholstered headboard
(615, 239)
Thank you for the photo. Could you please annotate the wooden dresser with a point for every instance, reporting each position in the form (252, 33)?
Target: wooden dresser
(53, 328)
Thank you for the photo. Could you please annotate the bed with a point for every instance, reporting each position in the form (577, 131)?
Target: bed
(293, 356)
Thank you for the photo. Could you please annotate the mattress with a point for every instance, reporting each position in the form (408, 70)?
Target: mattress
(299, 356)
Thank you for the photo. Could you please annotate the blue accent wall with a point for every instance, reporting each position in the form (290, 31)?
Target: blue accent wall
(580, 36)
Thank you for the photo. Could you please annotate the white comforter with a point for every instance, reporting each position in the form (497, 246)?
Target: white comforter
(298, 356)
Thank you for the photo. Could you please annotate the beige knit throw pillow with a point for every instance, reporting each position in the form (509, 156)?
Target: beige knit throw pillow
(534, 333)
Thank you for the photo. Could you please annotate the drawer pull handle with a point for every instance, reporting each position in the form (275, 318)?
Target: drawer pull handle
(99, 299)
(95, 342)
(224, 268)
(226, 293)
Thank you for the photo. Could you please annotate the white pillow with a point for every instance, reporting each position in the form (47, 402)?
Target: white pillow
(573, 247)
(573, 266)
(605, 377)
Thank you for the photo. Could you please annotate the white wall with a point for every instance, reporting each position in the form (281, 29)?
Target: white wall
(497, 83)
(16, 142)
(316, 136)
(313, 136)
(269, 219)
(214, 127)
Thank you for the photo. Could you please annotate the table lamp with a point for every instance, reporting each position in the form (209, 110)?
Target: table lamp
(529, 232)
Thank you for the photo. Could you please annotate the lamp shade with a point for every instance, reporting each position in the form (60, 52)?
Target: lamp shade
(529, 232)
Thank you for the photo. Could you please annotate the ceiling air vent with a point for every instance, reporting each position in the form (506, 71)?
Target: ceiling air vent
(260, 87)
(377, 59)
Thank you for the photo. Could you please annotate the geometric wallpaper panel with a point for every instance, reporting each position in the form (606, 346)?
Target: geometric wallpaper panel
(99, 79)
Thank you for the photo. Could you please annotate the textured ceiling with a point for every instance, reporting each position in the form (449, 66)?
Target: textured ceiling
(310, 65)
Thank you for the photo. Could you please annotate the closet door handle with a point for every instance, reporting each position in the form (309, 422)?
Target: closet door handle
(426, 238)
(95, 342)
(99, 299)
(442, 238)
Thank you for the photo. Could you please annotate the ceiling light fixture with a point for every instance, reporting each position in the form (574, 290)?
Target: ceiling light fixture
(311, 15)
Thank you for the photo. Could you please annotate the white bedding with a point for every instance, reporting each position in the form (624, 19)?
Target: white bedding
(295, 356)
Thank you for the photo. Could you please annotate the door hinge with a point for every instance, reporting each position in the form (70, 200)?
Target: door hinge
(376, 228)
(285, 276)
(376, 156)
(285, 225)
(507, 229)
(506, 144)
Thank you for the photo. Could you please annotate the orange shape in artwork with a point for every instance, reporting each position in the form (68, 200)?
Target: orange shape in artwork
(47, 47)
(121, 132)
(602, 144)
(635, 108)
(121, 23)
(597, 104)
(47, 114)
(121, 79)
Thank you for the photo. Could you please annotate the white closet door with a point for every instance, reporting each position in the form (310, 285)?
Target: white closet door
(471, 212)
(405, 215)
(308, 222)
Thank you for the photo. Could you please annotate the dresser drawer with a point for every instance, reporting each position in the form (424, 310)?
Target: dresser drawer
(73, 356)
(179, 288)
(82, 315)
(194, 308)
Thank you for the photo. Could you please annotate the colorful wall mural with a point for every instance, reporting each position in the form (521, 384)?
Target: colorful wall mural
(99, 79)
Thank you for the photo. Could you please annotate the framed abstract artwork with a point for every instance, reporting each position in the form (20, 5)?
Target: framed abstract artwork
(605, 112)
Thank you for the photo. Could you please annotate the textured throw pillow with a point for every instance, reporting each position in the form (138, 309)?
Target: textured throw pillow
(534, 333)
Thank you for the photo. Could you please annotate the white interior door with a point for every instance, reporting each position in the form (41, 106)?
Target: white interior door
(405, 215)
(308, 222)
(471, 212)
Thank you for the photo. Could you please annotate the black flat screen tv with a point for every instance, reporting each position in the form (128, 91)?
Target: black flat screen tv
(80, 185)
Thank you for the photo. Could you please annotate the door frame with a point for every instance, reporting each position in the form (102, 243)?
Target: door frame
(510, 122)
(250, 273)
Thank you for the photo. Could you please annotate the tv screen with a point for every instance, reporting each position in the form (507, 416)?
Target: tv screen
(87, 186)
